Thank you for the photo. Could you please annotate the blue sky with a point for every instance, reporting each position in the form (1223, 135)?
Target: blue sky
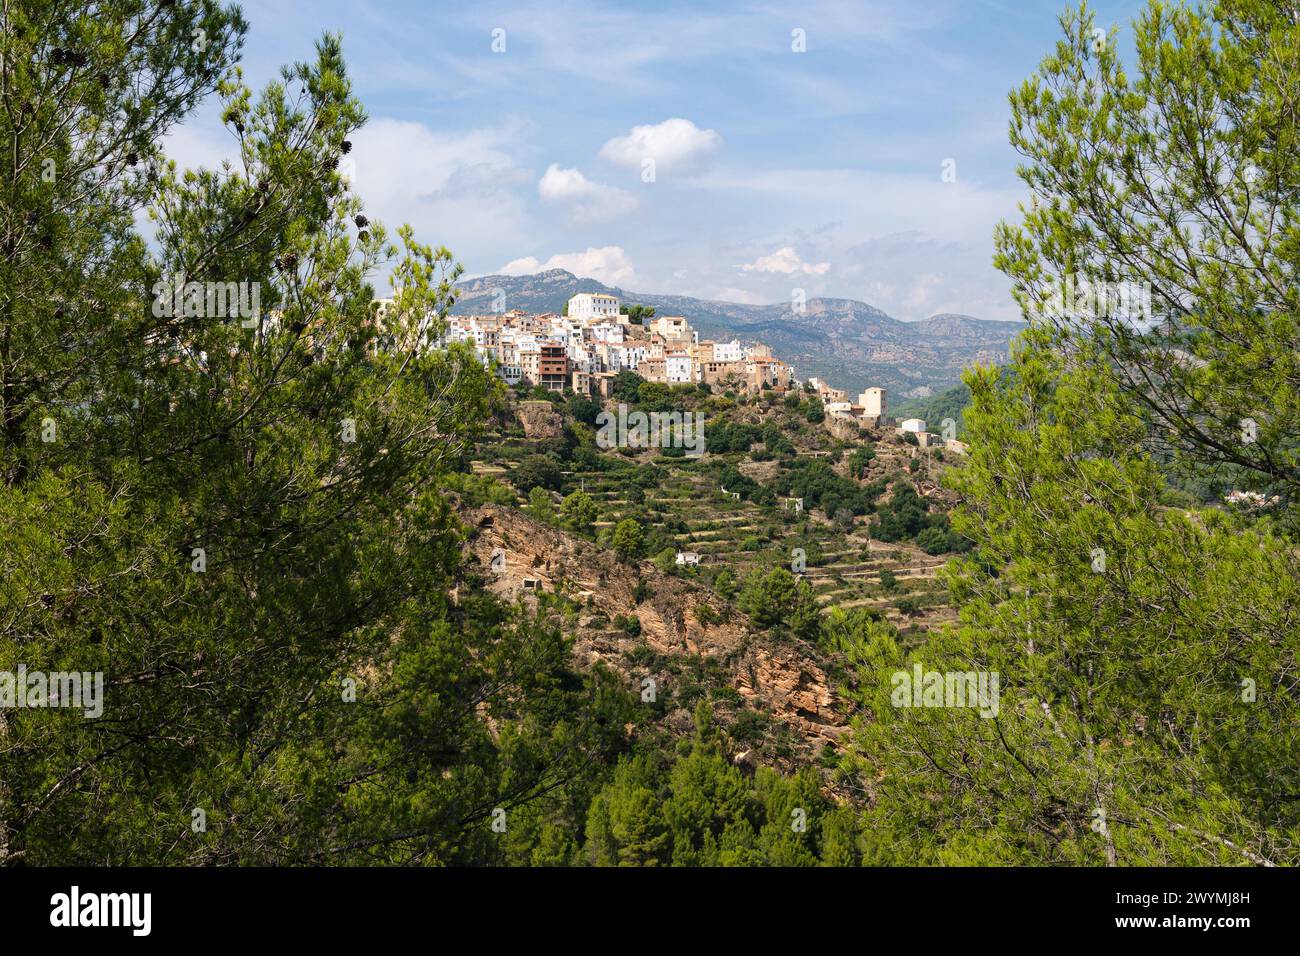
(773, 169)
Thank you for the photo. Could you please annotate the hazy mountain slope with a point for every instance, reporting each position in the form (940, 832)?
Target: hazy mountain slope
(848, 343)
(950, 403)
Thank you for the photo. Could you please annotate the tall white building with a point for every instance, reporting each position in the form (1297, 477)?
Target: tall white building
(873, 402)
(593, 305)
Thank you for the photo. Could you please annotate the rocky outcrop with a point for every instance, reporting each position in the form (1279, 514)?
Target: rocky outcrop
(678, 620)
(540, 420)
(845, 429)
(794, 688)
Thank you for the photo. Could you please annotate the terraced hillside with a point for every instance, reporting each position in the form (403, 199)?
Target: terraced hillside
(742, 537)
(696, 576)
(858, 523)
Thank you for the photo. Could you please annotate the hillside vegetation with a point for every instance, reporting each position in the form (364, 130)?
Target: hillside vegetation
(332, 596)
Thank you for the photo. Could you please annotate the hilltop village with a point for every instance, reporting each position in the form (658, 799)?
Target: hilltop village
(584, 349)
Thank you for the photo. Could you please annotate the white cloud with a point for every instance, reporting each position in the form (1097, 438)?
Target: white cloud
(676, 145)
(608, 264)
(732, 294)
(459, 189)
(913, 276)
(909, 244)
(786, 261)
(925, 295)
(882, 202)
(583, 200)
(652, 40)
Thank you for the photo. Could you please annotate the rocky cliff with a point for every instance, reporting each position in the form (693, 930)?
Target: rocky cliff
(685, 630)
(540, 420)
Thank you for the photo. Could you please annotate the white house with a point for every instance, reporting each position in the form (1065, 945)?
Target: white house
(687, 557)
(873, 403)
(610, 332)
(728, 351)
(671, 326)
(678, 367)
(592, 305)
(622, 357)
(582, 359)
(912, 425)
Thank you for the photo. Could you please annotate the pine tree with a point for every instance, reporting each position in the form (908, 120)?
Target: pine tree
(228, 502)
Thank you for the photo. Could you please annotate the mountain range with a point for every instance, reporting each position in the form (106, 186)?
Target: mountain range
(847, 343)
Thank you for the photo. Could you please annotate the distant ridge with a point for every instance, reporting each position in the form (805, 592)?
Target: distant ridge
(848, 343)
